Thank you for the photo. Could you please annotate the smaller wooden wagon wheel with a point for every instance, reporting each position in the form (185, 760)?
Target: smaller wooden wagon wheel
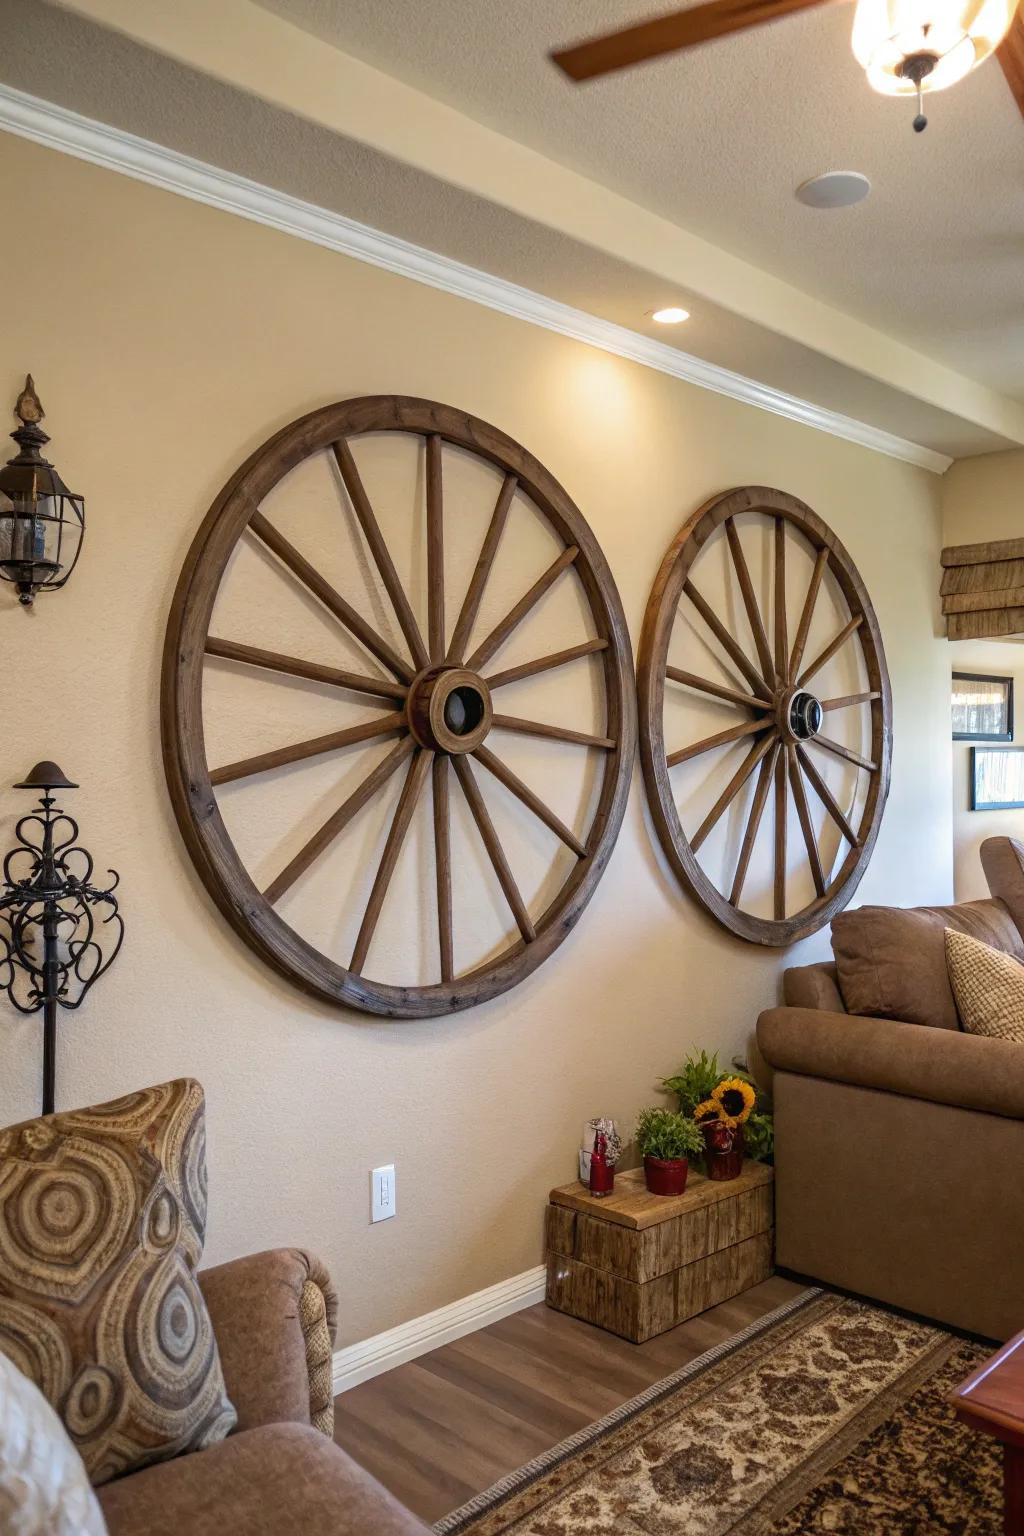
(438, 695)
(781, 714)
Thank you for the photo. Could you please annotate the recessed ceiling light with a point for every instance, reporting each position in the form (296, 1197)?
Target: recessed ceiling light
(835, 189)
(671, 316)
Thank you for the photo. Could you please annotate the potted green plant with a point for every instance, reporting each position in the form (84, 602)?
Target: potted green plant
(666, 1140)
(734, 1115)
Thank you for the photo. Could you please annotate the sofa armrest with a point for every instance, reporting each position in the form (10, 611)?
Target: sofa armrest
(274, 1317)
(943, 1066)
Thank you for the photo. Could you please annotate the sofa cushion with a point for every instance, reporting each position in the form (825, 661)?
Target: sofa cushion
(44, 1489)
(891, 961)
(102, 1220)
(988, 987)
(812, 986)
(279, 1480)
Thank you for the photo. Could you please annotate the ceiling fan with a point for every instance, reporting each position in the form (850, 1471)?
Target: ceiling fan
(907, 47)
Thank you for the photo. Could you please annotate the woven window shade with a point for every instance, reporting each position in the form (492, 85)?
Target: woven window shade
(983, 590)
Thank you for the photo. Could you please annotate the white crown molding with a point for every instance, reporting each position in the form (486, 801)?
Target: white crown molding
(371, 1357)
(57, 128)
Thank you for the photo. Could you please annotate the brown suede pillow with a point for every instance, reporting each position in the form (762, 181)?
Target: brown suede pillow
(102, 1220)
(891, 961)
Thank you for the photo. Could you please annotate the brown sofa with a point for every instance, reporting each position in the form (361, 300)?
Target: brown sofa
(279, 1472)
(900, 1138)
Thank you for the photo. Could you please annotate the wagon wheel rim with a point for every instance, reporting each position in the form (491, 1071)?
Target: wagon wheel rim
(778, 712)
(438, 703)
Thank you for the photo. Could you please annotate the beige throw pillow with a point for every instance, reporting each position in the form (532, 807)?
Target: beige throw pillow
(988, 986)
(102, 1221)
(44, 1490)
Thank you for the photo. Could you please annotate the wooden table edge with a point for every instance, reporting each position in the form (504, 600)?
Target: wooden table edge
(985, 1417)
(577, 1197)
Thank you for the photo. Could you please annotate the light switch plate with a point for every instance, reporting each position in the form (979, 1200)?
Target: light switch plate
(382, 1193)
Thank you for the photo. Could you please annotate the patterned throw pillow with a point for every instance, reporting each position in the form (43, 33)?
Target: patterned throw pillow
(102, 1221)
(43, 1487)
(988, 986)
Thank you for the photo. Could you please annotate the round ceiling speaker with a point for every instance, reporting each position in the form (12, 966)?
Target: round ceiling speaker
(834, 189)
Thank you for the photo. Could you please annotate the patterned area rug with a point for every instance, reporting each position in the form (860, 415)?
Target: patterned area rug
(827, 1416)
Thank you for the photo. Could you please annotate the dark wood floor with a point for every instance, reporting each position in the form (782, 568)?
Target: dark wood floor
(448, 1425)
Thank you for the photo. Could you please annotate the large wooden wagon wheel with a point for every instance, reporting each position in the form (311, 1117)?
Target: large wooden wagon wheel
(781, 717)
(440, 703)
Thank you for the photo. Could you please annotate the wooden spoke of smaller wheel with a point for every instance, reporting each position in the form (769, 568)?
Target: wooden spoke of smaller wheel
(780, 717)
(434, 695)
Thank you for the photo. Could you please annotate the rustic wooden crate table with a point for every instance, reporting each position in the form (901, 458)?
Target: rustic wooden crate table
(638, 1264)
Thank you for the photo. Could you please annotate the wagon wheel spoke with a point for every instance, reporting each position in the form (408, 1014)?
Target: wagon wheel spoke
(336, 823)
(838, 750)
(522, 792)
(726, 641)
(435, 550)
(386, 725)
(717, 690)
(732, 789)
(296, 666)
(443, 865)
(804, 817)
(754, 619)
(551, 732)
(380, 552)
(781, 810)
(764, 779)
(807, 612)
(831, 649)
(492, 845)
(850, 698)
(545, 663)
(501, 632)
(475, 591)
(332, 600)
(389, 858)
(826, 797)
(721, 739)
(781, 628)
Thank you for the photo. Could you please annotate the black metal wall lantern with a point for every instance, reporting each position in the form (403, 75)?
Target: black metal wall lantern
(42, 523)
(50, 913)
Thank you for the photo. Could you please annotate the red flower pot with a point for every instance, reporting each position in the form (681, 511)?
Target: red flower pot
(723, 1150)
(666, 1175)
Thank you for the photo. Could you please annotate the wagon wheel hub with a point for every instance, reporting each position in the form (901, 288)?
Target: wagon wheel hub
(449, 709)
(799, 715)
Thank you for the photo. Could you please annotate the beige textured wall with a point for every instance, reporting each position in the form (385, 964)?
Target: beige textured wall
(984, 499)
(168, 341)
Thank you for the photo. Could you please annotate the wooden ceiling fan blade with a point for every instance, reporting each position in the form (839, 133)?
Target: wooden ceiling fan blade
(667, 34)
(1011, 56)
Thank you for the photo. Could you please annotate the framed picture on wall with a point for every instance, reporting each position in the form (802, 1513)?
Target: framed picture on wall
(997, 778)
(982, 707)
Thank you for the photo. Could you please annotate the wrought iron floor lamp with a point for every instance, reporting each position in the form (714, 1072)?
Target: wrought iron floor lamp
(50, 913)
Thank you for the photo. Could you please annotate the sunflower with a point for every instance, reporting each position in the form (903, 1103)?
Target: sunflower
(735, 1100)
(707, 1111)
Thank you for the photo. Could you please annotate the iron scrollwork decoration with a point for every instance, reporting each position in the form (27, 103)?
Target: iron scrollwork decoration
(51, 948)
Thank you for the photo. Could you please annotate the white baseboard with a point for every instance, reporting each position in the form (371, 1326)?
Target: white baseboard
(371, 1357)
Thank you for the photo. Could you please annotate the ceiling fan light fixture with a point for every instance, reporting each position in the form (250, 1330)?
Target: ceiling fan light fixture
(673, 315)
(909, 45)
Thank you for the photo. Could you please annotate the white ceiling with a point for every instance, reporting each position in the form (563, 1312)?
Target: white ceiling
(89, 55)
(718, 139)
